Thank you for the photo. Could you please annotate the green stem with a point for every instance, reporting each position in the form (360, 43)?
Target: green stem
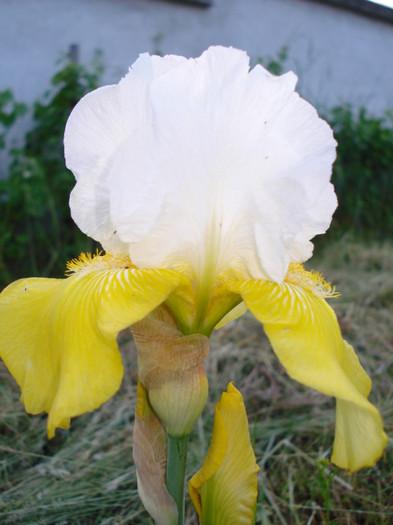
(176, 470)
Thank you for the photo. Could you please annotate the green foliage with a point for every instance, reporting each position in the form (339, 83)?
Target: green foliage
(363, 172)
(37, 233)
(10, 110)
(325, 479)
(275, 65)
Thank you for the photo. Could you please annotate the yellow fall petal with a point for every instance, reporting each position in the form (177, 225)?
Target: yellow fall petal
(305, 335)
(58, 336)
(224, 491)
(352, 422)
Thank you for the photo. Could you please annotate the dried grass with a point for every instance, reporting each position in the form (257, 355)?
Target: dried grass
(86, 475)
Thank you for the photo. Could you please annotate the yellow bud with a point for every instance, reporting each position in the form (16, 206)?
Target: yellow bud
(224, 490)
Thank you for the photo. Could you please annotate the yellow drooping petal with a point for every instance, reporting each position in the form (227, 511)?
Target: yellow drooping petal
(352, 422)
(224, 491)
(58, 336)
(305, 335)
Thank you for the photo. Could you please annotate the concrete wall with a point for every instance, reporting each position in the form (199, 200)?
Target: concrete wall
(339, 56)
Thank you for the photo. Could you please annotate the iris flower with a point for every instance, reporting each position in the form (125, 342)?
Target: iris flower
(204, 181)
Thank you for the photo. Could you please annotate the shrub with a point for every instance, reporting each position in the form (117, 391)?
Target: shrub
(363, 172)
(10, 110)
(37, 234)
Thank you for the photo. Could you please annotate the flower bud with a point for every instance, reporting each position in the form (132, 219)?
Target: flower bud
(224, 490)
(170, 367)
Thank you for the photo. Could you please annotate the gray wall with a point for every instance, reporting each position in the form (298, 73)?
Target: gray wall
(339, 56)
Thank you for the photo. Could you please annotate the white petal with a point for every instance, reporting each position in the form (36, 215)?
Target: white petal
(202, 164)
(97, 127)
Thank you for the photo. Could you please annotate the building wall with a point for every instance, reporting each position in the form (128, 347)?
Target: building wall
(338, 55)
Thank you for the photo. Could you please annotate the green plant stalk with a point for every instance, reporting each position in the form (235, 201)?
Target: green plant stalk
(176, 470)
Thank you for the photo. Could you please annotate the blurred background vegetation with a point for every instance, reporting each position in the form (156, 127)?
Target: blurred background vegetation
(37, 234)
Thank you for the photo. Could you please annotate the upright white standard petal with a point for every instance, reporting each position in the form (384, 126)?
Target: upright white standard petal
(202, 165)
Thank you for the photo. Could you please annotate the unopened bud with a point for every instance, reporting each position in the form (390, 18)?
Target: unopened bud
(170, 367)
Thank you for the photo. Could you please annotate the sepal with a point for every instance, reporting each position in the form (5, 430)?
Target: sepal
(58, 336)
(150, 458)
(171, 369)
(305, 335)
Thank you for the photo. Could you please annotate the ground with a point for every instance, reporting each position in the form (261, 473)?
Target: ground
(86, 474)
